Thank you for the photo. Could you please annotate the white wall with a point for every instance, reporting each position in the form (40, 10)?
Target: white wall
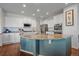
(13, 20)
(58, 19)
(72, 30)
(48, 21)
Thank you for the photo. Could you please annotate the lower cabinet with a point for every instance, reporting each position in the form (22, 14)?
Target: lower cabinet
(15, 38)
(6, 39)
(55, 48)
(28, 45)
(9, 38)
(0, 40)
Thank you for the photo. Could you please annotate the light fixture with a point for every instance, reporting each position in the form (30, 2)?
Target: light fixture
(38, 10)
(47, 13)
(24, 5)
(33, 14)
(22, 12)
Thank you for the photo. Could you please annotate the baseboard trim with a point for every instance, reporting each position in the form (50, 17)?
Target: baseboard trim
(10, 44)
(26, 51)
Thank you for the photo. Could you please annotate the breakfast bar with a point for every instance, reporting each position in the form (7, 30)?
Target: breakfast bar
(46, 45)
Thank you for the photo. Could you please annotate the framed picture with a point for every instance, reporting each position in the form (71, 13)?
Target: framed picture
(69, 17)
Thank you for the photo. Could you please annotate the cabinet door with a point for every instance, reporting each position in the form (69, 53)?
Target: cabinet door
(0, 40)
(12, 38)
(17, 37)
(6, 39)
(28, 45)
(31, 45)
(55, 48)
(23, 43)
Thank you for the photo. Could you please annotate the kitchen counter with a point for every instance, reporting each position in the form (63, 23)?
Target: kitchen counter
(50, 45)
(43, 36)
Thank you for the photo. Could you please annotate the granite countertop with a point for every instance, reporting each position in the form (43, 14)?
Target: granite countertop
(43, 36)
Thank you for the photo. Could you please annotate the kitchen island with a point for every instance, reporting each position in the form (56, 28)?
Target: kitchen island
(47, 45)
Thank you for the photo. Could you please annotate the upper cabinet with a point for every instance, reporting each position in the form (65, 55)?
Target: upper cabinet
(2, 20)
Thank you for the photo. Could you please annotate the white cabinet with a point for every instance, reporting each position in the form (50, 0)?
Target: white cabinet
(9, 38)
(0, 40)
(15, 38)
(6, 38)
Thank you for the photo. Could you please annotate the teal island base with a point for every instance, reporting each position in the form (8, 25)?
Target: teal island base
(46, 47)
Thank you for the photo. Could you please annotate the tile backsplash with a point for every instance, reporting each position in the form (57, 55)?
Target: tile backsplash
(11, 29)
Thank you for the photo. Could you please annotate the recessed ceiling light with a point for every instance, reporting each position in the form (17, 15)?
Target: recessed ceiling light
(47, 13)
(24, 5)
(22, 12)
(38, 10)
(33, 14)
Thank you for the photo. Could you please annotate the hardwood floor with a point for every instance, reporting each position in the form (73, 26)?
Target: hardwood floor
(10, 50)
(74, 52)
(14, 50)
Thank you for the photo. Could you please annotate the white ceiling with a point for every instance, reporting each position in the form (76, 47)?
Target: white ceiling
(51, 8)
